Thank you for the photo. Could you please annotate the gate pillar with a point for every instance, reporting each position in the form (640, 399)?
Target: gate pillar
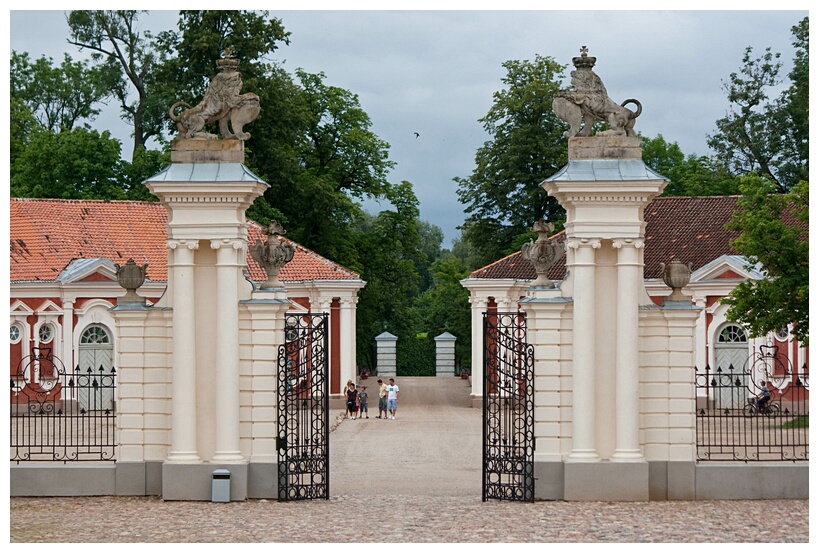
(206, 190)
(604, 189)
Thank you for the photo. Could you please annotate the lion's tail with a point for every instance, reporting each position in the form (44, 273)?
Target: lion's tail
(635, 102)
(175, 117)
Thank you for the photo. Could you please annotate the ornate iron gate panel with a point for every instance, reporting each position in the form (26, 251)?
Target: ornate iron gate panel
(61, 415)
(731, 423)
(508, 409)
(303, 409)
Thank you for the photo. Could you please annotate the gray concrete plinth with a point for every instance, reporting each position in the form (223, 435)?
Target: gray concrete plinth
(606, 481)
(184, 482)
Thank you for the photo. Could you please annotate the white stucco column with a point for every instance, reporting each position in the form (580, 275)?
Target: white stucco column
(227, 350)
(347, 339)
(68, 334)
(478, 307)
(183, 363)
(627, 361)
(583, 375)
(701, 333)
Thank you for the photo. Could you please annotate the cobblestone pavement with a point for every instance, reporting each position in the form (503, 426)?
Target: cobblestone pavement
(401, 519)
(410, 480)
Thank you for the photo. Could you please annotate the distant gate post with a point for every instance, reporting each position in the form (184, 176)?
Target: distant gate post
(445, 354)
(385, 353)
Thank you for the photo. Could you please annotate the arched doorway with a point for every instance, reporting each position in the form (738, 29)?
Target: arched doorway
(730, 358)
(96, 355)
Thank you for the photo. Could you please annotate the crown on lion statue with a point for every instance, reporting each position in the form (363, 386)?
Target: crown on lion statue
(227, 62)
(584, 61)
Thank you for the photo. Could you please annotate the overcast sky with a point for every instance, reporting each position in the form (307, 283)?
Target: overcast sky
(434, 72)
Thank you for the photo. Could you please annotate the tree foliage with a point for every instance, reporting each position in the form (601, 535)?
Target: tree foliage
(502, 197)
(774, 235)
(687, 175)
(116, 44)
(79, 163)
(59, 97)
(763, 135)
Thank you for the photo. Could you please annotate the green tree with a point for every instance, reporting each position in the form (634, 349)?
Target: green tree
(22, 126)
(59, 96)
(444, 307)
(116, 44)
(80, 163)
(502, 197)
(388, 247)
(774, 235)
(762, 135)
(688, 175)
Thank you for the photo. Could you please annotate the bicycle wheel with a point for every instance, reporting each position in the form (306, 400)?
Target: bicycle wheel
(749, 410)
(773, 410)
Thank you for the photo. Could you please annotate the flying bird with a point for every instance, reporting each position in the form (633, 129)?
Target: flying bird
(417, 135)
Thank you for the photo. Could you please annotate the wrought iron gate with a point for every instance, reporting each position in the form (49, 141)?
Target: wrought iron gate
(303, 409)
(508, 409)
(60, 414)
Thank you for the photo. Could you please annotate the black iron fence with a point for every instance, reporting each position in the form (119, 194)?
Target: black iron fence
(61, 415)
(735, 424)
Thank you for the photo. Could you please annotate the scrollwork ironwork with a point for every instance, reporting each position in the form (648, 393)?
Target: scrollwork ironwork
(61, 415)
(303, 409)
(508, 409)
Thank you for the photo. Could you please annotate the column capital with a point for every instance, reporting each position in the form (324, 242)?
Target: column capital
(575, 243)
(479, 301)
(348, 301)
(633, 242)
(190, 244)
(235, 243)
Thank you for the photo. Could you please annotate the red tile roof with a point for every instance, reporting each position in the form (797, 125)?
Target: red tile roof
(46, 234)
(689, 228)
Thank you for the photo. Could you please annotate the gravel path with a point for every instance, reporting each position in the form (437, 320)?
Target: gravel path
(413, 479)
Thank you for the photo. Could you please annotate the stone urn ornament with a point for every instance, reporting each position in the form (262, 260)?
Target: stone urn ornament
(131, 276)
(542, 253)
(676, 275)
(272, 255)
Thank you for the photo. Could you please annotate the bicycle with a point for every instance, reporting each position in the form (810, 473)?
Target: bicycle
(769, 408)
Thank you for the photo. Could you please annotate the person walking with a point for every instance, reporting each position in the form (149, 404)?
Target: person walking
(392, 399)
(352, 396)
(382, 400)
(362, 403)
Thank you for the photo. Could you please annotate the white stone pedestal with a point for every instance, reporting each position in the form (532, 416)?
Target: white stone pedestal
(385, 346)
(445, 354)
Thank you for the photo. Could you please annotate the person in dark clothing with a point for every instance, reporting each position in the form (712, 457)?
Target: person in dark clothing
(352, 399)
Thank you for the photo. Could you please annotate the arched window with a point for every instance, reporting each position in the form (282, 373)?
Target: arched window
(732, 334)
(95, 334)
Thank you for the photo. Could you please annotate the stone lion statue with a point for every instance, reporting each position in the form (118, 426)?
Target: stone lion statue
(588, 101)
(222, 103)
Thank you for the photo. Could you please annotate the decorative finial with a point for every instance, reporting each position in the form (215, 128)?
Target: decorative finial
(273, 255)
(131, 276)
(676, 276)
(543, 253)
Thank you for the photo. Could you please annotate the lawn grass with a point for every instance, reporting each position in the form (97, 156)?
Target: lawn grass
(797, 422)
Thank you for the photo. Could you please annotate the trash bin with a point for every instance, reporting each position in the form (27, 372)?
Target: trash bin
(220, 492)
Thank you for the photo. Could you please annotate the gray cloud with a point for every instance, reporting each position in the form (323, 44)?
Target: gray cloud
(434, 72)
